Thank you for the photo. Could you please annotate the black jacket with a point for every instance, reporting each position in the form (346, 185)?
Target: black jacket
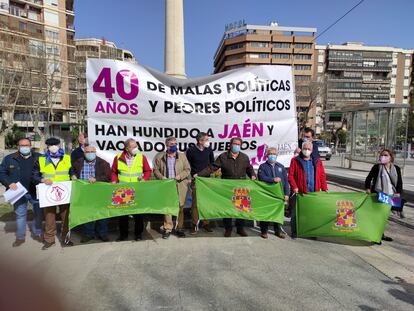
(371, 179)
(11, 172)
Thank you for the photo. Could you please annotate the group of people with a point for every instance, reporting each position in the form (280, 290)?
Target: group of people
(306, 174)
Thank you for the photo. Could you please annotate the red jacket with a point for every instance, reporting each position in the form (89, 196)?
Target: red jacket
(297, 176)
(145, 167)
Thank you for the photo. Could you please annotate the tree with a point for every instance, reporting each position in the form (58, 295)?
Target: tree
(313, 91)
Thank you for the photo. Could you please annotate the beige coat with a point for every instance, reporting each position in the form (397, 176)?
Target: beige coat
(182, 169)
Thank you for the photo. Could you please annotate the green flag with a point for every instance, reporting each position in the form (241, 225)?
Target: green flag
(239, 198)
(89, 202)
(351, 215)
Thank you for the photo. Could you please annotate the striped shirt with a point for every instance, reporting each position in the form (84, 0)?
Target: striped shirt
(171, 167)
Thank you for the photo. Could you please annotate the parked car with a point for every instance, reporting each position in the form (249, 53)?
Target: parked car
(324, 151)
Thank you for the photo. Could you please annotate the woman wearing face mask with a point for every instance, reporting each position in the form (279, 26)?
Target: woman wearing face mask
(385, 177)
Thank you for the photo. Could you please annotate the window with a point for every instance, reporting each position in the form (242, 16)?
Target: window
(236, 46)
(303, 56)
(263, 55)
(352, 74)
(51, 18)
(281, 56)
(302, 78)
(51, 34)
(303, 45)
(22, 26)
(259, 44)
(281, 45)
(303, 67)
(32, 15)
(51, 2)
(52, 49)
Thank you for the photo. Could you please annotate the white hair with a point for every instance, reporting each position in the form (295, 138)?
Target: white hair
(307, 143)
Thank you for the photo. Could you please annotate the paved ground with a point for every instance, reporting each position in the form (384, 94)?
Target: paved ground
(209, 272)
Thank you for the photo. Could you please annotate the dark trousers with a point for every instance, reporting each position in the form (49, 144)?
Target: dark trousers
(227, 222)
(264, 226)
(99, 226)
(123, 225)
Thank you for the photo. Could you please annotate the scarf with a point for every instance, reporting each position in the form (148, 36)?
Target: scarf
(49, 155)
(386, 180)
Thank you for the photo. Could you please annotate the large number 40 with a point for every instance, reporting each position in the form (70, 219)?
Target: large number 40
(103, 84)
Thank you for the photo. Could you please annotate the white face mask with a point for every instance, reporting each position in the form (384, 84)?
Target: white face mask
(306, 152)
(53, 149)
(134, 151)
(206, 144)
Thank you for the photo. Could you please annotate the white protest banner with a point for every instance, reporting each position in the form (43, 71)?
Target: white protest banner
(128, 100)
(57, 193)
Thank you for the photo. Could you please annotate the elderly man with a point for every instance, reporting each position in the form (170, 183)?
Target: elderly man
(54, 166)
(92, 168)
(18, 167)
(234, 164)
(173, 164)
(273, 172)
(306, 174)
(130, 166)
(199, 156)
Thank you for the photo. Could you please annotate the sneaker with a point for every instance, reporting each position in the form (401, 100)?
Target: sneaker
(264, 235)
(166, 235)
(207, 228)
(47, 245)
(401, 214)
(180, 233)
(86, 239)
(227, 233)
(17, 243)
(241, 232)
(138, 237)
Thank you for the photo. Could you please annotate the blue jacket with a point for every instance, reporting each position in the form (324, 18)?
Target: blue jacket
(10, 172)
(267, 173)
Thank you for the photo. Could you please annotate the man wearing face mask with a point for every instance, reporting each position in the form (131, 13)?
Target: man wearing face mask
(54, 166)
(273, 172)
(93, 169)
(234, 164)
(309, 136)
(173, 164)
(199, 156)
(306, 174)
(130, 166)
(17, 167)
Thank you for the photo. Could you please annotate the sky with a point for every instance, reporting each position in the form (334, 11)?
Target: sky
(138, 25)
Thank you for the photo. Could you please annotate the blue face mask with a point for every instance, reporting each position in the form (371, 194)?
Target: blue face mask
(90, 156)
(172, 148)
(235, 148)
(24, 150)
(272, 158)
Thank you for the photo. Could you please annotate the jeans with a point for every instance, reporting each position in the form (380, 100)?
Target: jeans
(21, 217)
(101, 228)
